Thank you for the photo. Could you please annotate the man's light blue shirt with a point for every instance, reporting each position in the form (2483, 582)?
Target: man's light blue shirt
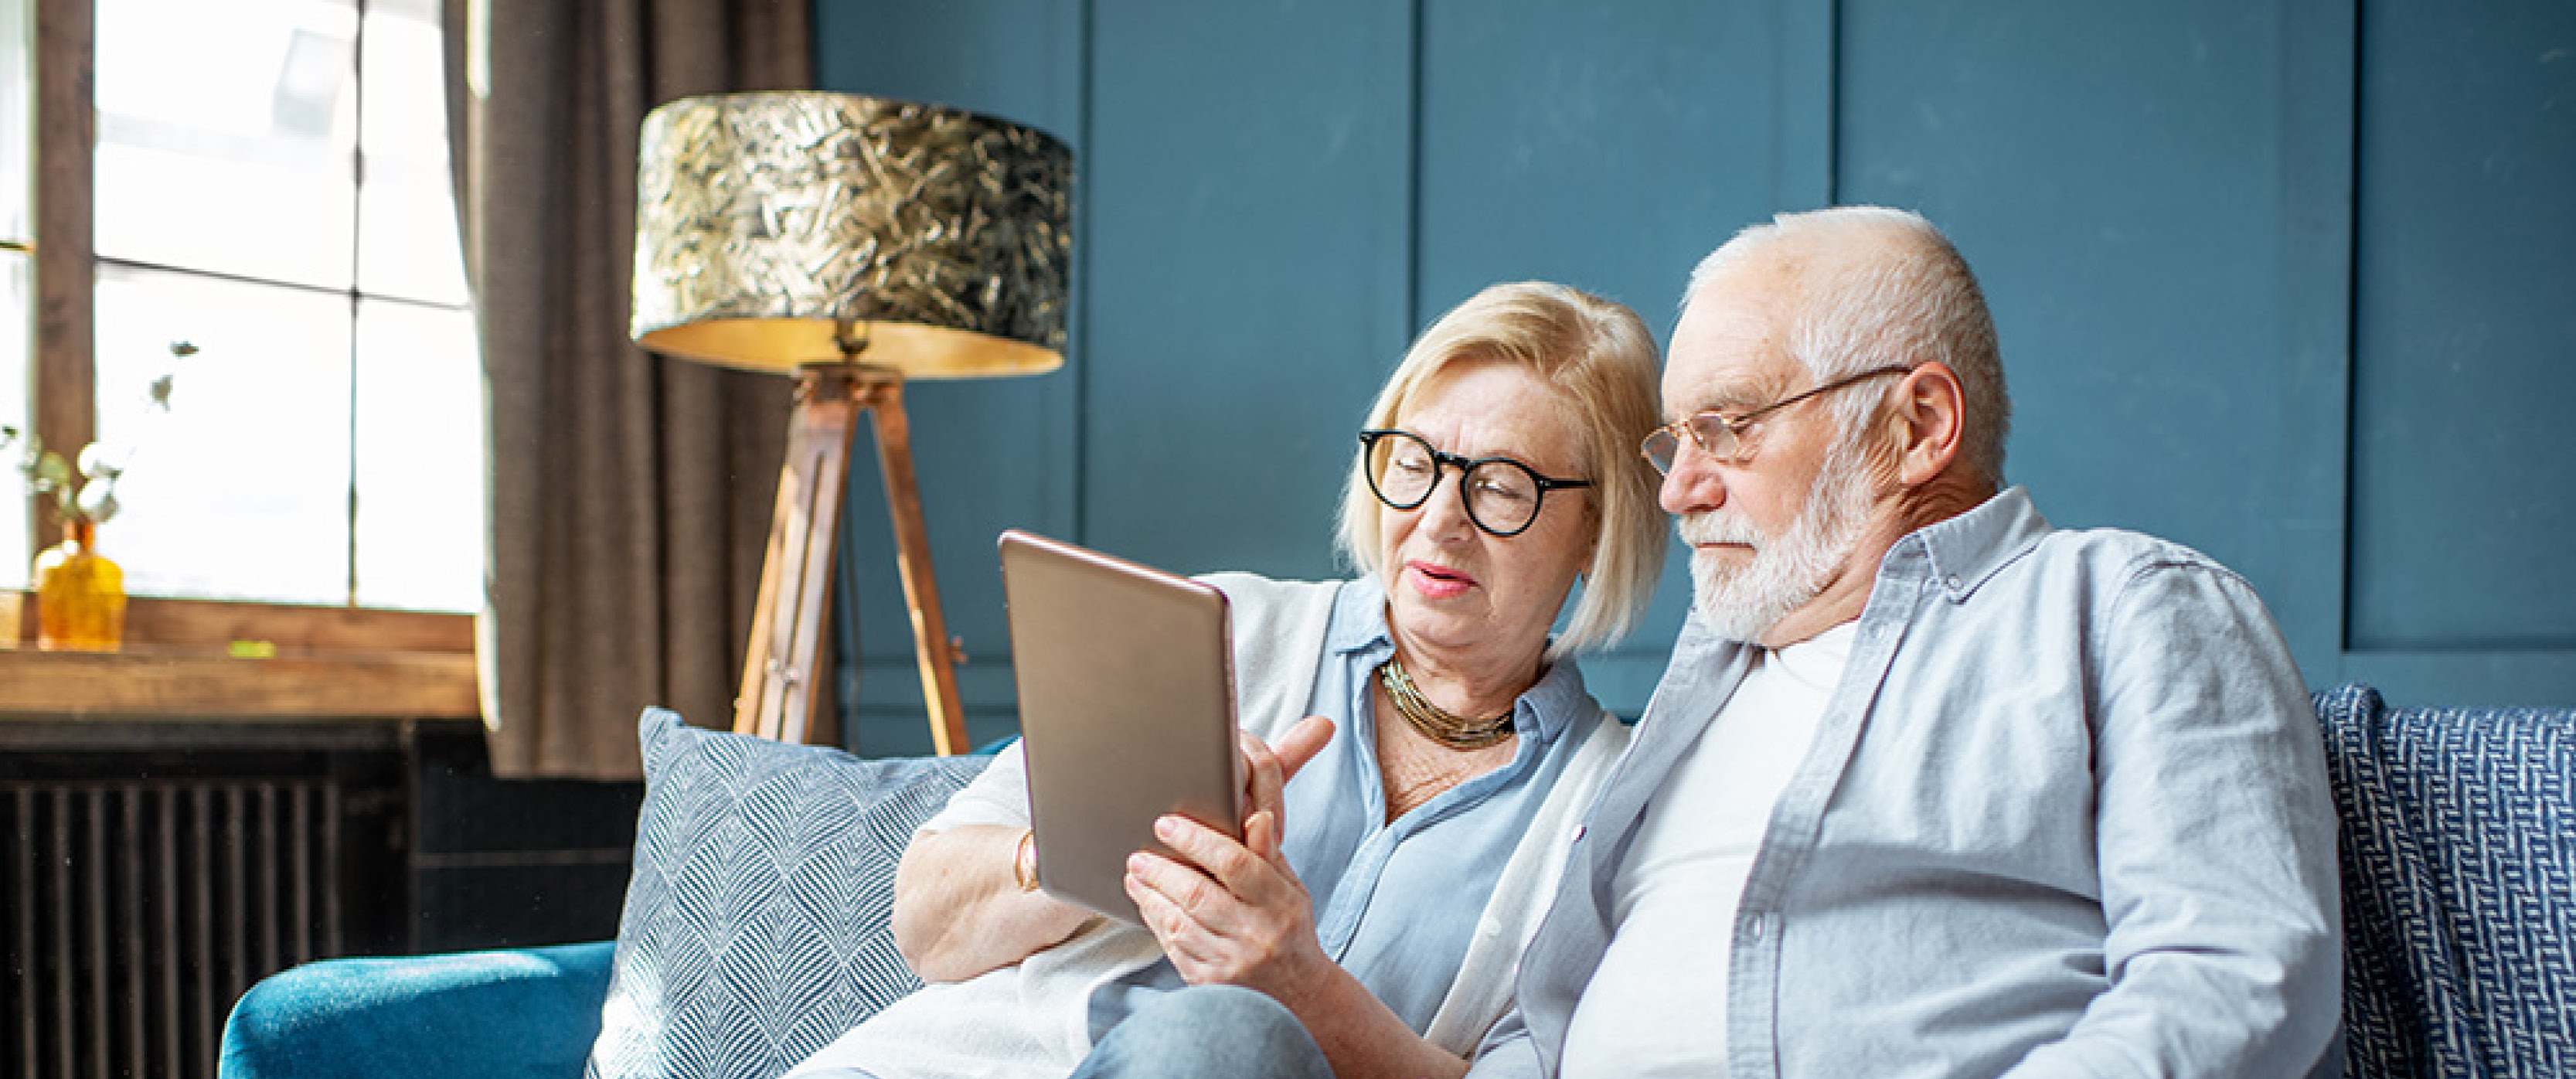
(2065, 815)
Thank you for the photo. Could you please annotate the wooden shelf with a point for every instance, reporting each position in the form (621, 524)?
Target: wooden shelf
(181, 682)
(178, 663)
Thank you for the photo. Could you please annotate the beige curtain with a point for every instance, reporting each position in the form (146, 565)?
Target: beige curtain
(629, 493)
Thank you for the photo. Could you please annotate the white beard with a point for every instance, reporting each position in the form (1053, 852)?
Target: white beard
(1740, 604)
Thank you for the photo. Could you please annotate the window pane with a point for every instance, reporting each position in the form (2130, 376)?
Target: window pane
(420, 458)
(17, 344)
(17, 281)
(407, 240)
(17, 114)
(226, 136)
(241, 489)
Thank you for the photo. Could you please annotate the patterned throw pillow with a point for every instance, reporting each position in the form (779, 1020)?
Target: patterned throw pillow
(755, 928)
(2459, 886)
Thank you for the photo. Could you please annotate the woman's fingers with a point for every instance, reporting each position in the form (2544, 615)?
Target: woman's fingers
(1225, 887)
(1210, 934)
(1179, 934)
(1266, 770)
(1220, 861)
(1261, 836)
(1301, 743)
(1181, 885)
(1263, 779)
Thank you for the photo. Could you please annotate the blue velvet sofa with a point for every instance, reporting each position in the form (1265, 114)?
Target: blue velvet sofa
(2458, 856)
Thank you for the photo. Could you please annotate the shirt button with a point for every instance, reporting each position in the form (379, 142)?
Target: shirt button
(1753, 927)
(1951, 582)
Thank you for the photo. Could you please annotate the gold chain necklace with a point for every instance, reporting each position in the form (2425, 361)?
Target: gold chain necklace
(1437, 723)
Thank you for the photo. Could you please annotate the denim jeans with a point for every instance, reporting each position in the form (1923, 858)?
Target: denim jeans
(1207, 1032)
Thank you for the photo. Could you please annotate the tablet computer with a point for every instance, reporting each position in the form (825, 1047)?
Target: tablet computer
(1126, 692)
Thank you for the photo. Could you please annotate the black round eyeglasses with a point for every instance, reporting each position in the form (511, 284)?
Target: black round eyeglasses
(1503, 495)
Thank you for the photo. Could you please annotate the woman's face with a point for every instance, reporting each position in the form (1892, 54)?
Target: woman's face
(1449, 584)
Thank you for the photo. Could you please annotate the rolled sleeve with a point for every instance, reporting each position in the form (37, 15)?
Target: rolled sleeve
(998, 795)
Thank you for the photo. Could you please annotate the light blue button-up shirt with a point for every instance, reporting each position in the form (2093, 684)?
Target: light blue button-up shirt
(2066, 815)
(1396, 902)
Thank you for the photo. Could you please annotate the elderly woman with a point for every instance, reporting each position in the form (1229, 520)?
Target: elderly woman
(1383, 893)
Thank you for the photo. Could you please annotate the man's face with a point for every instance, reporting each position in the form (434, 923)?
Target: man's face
(1773, 528)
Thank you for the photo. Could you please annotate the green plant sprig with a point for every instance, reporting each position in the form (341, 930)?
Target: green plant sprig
(84, 488)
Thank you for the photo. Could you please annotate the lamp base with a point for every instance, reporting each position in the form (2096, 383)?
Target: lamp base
(789, 613)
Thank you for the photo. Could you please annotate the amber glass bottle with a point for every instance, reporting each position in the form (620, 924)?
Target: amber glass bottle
(80, 595)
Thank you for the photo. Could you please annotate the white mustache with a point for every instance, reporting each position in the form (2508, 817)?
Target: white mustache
(1718, 526)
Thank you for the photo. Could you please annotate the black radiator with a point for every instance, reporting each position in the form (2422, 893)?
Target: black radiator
(138, 911)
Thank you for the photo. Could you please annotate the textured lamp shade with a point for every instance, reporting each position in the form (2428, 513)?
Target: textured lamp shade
(781, 229)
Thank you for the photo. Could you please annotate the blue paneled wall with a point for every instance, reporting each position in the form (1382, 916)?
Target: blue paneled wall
(2286, 281)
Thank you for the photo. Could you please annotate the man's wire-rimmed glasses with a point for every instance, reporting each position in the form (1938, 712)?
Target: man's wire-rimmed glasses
(1502, 494)
(1721, 436)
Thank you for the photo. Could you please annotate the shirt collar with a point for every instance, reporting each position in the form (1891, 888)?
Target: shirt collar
(1359, 618)
(1958, 553)
(1963, 551)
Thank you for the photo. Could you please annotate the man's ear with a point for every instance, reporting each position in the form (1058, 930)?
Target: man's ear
(1928, 421)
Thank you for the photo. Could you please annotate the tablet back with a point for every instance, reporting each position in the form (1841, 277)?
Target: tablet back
(1126, 710)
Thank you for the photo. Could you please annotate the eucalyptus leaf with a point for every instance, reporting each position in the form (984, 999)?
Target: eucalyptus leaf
(48, 473)
(99, 462)
(97, 501)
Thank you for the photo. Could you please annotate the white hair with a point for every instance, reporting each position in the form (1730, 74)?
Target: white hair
(1875, 287)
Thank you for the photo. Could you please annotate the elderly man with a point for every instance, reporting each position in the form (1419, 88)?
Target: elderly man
(1929, 789)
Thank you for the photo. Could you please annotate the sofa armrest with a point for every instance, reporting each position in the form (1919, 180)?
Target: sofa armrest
(529, 1012)
(2459, 886)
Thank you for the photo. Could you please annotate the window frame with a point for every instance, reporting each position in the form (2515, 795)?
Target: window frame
(181, 655)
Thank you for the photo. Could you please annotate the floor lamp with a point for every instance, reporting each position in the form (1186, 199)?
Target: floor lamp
(853, 243)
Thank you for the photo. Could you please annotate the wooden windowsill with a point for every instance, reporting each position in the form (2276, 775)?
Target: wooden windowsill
(179, 662)
(193, 683)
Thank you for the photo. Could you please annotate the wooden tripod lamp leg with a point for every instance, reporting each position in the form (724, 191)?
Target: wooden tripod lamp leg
(787, 622)
(912, 555)
(789, 614)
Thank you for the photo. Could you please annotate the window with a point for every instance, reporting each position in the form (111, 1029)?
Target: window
(270, 183)
(17, 242)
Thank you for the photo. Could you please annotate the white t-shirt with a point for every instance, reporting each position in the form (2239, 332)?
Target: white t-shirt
(1657, 1003)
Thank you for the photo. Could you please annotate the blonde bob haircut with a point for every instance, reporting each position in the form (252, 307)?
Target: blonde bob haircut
(1600, 359)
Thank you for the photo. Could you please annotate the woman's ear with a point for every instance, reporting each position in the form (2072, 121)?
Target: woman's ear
(1929, 420)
